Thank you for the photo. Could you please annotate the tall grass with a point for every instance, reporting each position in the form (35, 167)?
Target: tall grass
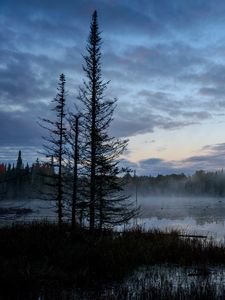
(39, 255)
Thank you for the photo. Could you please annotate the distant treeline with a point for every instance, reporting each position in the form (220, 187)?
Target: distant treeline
(200, 184)
(19, 182)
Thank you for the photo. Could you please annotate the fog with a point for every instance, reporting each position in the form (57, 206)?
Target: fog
(201, 208)
(192, 215)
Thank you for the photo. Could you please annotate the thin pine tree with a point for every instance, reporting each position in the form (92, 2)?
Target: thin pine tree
(54, 146)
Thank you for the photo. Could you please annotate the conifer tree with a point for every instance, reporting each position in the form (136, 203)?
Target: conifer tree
(73, 162)
(54, 147)
(107, 205)
(19, 163)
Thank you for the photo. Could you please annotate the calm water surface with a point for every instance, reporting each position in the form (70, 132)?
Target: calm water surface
(193, 215)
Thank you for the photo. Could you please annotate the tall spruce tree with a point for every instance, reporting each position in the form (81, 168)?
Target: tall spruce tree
(19, 163)
(101, 152)
(54, 147)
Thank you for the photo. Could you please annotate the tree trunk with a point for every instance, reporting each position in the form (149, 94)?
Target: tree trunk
(74, 200)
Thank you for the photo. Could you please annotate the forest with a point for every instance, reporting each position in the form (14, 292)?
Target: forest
(37, 181)
(201, 183)
(24, 182)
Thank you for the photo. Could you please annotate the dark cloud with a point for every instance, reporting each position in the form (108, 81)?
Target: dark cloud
(19, 129)
(114, 15)
(131, 120)
(21, 80)
(157, 55)
(168, 103)
(170, 60)
(152, 166)
(212, 159)
(156, 110)
(216, 147)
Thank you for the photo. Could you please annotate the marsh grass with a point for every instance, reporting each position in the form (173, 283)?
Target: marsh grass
(155, 282)
(37, 255)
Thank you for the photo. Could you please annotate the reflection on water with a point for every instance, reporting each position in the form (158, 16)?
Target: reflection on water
(204, 216)
(151, 282)
(194, 215)
(155, 282)
(188, 225)
(39, 209)
(175, 276)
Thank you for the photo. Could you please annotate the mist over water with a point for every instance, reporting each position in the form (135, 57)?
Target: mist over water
(192, 215)
(40, 209)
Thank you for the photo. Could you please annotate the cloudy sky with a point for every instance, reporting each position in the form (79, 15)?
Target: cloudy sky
(165, 61)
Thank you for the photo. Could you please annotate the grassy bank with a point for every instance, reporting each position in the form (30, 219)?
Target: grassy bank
(37, 255)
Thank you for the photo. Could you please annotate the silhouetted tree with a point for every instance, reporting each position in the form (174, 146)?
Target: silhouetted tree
(100, 157)
(73, 160)
(54, 147)
(19, 163)
(75, 176)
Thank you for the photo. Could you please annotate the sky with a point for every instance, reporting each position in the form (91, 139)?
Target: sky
(165, 61)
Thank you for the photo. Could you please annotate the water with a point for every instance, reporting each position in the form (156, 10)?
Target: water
(40, 209)
(187, 225)
(193, 215)
(154, 282)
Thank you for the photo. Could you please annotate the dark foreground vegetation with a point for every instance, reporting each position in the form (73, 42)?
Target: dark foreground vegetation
(39, 258)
